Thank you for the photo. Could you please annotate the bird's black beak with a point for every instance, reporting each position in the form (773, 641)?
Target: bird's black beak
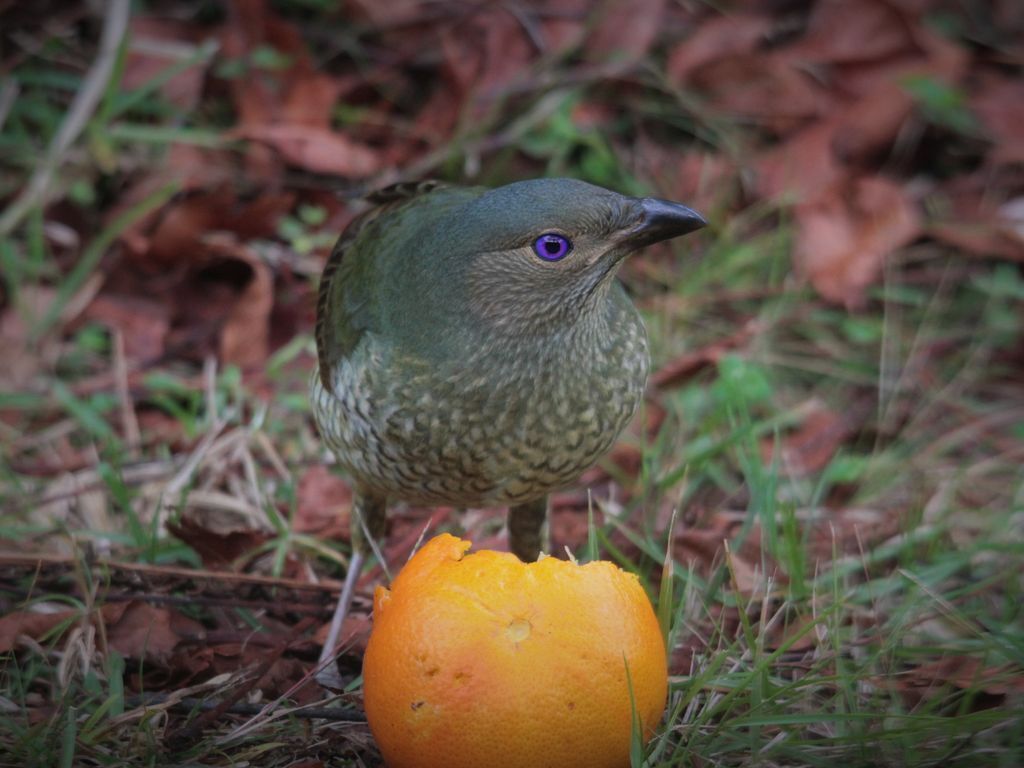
(662, 220)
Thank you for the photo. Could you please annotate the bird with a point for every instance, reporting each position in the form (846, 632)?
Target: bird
(475, 349)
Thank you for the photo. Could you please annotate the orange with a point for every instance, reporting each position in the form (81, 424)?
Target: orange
(482, 660)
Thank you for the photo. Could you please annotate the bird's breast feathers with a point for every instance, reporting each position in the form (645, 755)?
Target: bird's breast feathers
(492, 430)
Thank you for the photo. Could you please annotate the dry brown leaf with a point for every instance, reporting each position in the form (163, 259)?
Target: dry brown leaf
(624, 32)
(967, 672)
(812, 445)
(218, 294)
(843, 237)
(563, 24)
(144, 631)
(870, 125)
(245, 335)
(437, 119)
(34, 624)
(762, 86)
(848, 531)
(310, 101)
(684, 367)
(177, 237)
(708, 546)
(842, 32)
(30, 624)
(870, 108)
(393, 13)
(717, 38)
(190, 169)
(258, 218)
(252, 24)
(154, 46)
(970, 215)
(217, 548)
(1007, 24)
(707, 182)
(253, 95)
(180, 235)
(801, 168)
(796, 635)
(745, 576)
(485, 54)
(316, 149)
(143, 322)
(280, 673)
(999, 104)
(930, 56)
(261, 95)
(203, 301)
(323, 503)
(880, 100)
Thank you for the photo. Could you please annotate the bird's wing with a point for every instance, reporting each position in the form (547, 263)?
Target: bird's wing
(338, 330)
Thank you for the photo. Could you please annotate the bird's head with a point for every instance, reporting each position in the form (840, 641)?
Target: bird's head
(537, 252)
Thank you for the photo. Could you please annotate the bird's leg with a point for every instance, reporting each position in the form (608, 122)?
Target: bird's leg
(369, 515)
(526, 529)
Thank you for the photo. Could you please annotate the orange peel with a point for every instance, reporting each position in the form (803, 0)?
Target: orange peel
(480, 659)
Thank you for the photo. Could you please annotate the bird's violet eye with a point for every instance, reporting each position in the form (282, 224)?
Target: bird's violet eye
(552, 247)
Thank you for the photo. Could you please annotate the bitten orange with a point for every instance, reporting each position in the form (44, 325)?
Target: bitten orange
(483, 660)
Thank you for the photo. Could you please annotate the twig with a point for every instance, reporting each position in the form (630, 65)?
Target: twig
(115, 23)
(184, 475)
(270, 606)
(43, 561)
(129, 422)
(88, 479)
(8, 93)
(210, 388)
(187, 705)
